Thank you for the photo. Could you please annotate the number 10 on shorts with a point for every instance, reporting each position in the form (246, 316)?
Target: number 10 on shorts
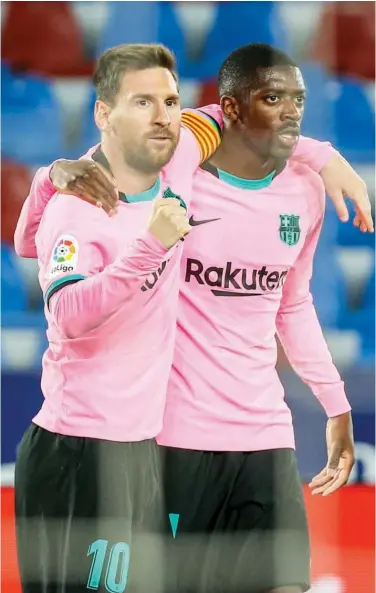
(117, 566)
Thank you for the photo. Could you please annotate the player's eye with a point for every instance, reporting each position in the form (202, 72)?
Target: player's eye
(143, 102)
(172, 102)
(300, 99)
(272, 99)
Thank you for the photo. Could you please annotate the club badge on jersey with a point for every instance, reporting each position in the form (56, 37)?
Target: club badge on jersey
(289, 230)
(64, 256)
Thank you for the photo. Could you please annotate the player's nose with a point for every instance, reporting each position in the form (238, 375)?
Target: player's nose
(162, 116)
(291, 111)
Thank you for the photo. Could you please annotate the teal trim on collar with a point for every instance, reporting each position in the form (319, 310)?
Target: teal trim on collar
(57, 284)
(145, 196)
(245, 183)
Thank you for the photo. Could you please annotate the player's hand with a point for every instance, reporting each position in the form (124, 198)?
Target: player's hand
(340, 443)
(168, 222)
(342, 181)
(87, 180)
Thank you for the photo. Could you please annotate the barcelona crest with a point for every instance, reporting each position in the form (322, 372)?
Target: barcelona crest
(289, 230)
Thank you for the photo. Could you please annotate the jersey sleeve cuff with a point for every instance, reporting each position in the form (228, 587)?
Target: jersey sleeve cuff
(334, 400)
(56, 285)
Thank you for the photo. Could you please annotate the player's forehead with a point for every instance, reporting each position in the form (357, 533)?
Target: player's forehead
(156, 82)
(279, 78)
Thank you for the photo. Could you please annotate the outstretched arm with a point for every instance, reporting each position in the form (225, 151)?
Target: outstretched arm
(340, 180)
(304, 344)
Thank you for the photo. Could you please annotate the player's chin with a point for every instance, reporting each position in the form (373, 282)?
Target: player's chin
(283, 151)
(161, 157)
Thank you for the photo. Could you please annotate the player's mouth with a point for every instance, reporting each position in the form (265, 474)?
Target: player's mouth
(161, 140)
(289, 137)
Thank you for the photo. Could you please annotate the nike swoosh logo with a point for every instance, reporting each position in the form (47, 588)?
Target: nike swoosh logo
(194, 222)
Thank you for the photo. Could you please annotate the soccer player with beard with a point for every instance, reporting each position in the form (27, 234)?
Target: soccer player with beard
(227, 434)
(89, 506)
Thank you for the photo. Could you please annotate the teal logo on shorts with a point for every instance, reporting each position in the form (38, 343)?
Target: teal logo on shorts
(174, 520)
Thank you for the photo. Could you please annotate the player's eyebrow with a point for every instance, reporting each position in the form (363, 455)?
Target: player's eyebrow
(149, 97)
(280, 89)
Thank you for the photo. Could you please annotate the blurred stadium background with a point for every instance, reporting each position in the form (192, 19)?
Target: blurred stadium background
(48, 52)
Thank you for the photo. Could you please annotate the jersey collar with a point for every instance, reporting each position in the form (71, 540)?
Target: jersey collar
(239, 182)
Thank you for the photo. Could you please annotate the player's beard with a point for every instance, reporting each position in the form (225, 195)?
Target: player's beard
(146, 160)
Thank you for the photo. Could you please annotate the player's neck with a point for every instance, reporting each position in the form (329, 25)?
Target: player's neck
(237, 159)
(128, 180)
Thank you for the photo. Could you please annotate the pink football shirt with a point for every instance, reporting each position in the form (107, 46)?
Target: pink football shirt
(245, 277)
(111, 294)
(141, 257)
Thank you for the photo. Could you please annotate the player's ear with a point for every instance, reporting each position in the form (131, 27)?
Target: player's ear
(230, 108)
(101, 116)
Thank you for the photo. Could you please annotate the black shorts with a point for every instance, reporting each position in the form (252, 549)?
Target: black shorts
(89, 515)
(240, 521)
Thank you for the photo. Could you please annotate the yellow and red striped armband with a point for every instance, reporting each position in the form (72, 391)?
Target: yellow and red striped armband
(205, 130)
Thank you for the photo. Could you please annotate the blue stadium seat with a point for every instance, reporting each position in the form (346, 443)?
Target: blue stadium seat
(363, 321)
(338, 110)
(143, 22)
(330, 228)
(327, 277)
(354, 121)
(328, 280)
(318, 121)
(349, 236)
(369, 293)
(32, 130)
(148, 22)
(6, 72)
(249, 22)
(89, 135)
(13, 288)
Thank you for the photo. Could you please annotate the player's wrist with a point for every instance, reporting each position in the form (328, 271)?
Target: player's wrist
(53, 171)
(334, 400)
(345, 417)
(153, 244)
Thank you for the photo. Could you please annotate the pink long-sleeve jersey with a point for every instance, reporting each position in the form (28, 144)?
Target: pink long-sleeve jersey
(244, 276)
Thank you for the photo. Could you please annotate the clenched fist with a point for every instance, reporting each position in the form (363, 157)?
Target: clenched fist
(168, 222)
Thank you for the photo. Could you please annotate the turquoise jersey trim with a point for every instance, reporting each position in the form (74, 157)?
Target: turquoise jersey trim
(145, 196)
(60, 283)
(245, 183)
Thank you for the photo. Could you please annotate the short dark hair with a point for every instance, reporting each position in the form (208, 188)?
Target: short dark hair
(114, 62)
(238, 73)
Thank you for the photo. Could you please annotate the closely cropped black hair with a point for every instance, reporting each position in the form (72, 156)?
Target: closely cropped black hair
(238, 73)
